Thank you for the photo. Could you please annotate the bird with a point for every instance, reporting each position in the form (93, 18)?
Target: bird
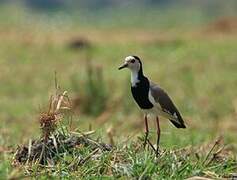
(151, 99)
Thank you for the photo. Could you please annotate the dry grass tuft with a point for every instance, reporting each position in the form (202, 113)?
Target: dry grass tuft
(48, 153)
(78, 43)
(54, 141)
(223, 25)
(48, 120)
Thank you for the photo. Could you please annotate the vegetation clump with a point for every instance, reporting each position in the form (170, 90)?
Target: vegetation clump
(55, 140)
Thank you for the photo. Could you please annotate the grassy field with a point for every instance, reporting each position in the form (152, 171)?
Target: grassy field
(196, 66)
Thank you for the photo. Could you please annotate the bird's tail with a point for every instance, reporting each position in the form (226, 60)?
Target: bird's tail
(178, 121)
(178, 125)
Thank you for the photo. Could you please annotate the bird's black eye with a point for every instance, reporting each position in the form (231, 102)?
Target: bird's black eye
(133, 61)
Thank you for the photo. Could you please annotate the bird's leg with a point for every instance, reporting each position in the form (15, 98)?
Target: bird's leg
(146, 131)
(158, 135)
(146, 134)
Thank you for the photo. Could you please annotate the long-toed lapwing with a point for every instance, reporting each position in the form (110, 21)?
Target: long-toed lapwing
(151, 98)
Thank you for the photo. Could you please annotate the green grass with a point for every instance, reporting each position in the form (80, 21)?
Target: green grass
(198, 69)
(130, 160)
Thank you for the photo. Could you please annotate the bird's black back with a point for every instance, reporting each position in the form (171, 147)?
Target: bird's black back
(140, 93)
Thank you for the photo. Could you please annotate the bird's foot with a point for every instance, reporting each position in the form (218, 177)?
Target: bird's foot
(144, 144)
(157, 152)
(146, 140)
(149, 142)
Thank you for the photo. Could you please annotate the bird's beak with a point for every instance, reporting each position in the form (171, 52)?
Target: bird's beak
(123, 66)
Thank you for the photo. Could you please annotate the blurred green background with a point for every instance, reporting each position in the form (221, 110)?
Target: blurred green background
(189, 47)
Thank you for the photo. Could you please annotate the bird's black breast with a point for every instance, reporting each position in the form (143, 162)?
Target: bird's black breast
(140, 93)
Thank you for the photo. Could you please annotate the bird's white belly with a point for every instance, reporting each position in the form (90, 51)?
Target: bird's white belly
(154, 111)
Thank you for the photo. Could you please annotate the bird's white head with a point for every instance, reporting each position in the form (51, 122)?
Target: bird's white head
(131, 62)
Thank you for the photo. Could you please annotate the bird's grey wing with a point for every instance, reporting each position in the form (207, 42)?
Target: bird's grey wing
(162, 98)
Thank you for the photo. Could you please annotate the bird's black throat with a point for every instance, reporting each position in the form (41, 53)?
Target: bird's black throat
(140, 91)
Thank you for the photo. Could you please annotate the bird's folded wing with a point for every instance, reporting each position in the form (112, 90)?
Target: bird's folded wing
(169, 110)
